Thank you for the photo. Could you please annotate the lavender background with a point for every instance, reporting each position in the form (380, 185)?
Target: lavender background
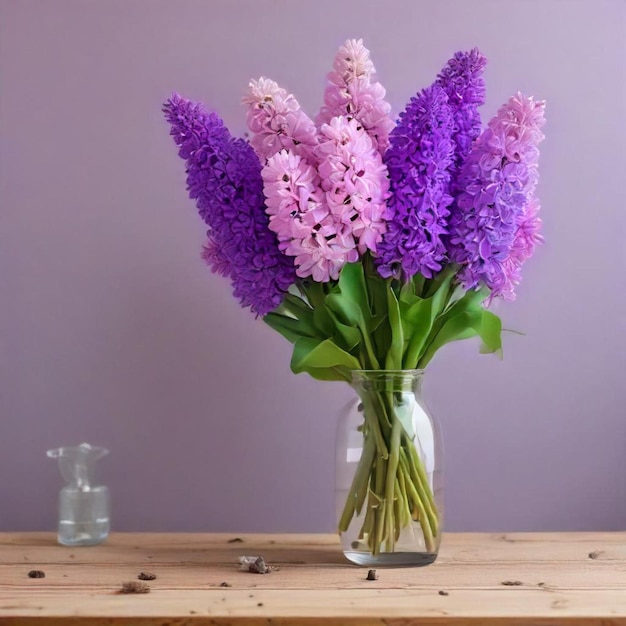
(114, 332)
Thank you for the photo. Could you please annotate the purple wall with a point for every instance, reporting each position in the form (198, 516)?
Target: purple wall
(114, 332)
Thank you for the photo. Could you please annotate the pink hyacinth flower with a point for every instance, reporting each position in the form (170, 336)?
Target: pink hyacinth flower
(355, 181)
(322, 257)
(276, 121)
(354, 93)
(291, 188)
(300, 217)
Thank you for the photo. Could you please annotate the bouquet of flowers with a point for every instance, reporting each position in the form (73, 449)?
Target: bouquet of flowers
(370, 243)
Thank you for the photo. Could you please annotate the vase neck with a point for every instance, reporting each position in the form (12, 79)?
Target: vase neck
(387, 380)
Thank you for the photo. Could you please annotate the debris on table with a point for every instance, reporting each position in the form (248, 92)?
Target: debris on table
(546, 586)
(235, 540)
(146, 576)
(371, 575)
(443, 593)
(254, 564)
(595, 554)
(225, 584)
(511, 583)
(36, 573)
(135, 587)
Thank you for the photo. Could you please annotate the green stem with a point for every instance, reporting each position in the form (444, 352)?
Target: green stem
(379, 513)
(416, 465)
(414, 350)
(398, 510)
(406, 508)
(373, 424)
(392, 468)
(369, 518)
(371, 355)
(427, 356)
(423, 492)
(358, 489)
(421, 507)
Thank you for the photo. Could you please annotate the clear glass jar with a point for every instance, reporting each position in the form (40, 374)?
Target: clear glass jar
(83, 506)
(389, 472)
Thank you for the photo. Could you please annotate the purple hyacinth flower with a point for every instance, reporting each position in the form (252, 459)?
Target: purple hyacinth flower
(462, 80)
(224, 178)
(419, 157)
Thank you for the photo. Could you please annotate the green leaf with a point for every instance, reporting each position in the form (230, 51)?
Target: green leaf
(287, 310)
(346, 310)
(417, 320)
(320, 357)
(330, 374)
(442, 277)
(352, 283)
(322, 320)
(472, 300)
(490, 331)
(289, 327)
(418, 284)
(351, 302)
(314, 292)
(295, 303)
(294, 307)
(440, 295)
(347, 337)
(457, 293)
(465, 317)
(407, 293)
(393, 360)
(381, 337)
(351, 305)
(377, 290)
(460, 326)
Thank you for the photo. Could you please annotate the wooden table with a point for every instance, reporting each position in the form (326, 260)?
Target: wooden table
(560, 579)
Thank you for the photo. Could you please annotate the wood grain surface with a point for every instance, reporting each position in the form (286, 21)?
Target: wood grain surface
(560, 579)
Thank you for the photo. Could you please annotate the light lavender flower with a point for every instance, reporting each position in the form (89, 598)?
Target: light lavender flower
(494, 227)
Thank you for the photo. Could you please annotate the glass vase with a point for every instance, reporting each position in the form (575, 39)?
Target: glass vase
(389, 472)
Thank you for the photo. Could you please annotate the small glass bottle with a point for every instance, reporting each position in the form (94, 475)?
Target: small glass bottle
(83, 506)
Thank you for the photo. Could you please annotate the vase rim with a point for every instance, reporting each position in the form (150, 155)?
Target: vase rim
(383, 373)
(393, 371)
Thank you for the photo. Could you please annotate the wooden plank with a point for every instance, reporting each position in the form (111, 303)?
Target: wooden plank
(561, 583)
(292, 576)
(392, 606)
(215, 548)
